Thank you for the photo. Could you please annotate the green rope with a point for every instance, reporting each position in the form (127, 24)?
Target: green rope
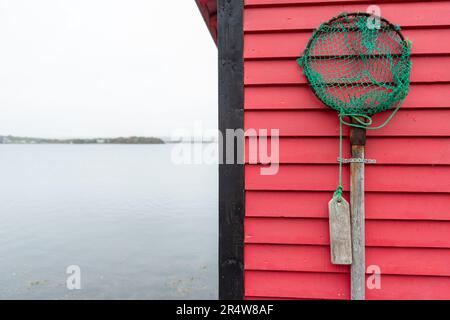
(360, 124)
(338, 193)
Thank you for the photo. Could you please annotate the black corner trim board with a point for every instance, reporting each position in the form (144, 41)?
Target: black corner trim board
(231, 176)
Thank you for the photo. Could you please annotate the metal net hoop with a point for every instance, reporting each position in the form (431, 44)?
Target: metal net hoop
(356, 67)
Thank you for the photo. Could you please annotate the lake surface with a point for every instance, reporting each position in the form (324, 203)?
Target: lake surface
(138, 226)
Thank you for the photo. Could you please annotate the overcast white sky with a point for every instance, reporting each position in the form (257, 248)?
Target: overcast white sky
(85, 68)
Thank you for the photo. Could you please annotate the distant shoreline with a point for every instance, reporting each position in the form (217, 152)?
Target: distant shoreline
(118, 140)
(99, 141)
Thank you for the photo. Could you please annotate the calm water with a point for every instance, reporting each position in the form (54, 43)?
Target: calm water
(138, 226)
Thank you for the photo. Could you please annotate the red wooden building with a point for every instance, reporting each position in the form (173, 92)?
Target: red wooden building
(274, 240)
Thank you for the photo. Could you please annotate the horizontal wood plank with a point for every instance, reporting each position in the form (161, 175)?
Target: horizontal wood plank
(292, 44)
(301, 97)
(382, 178)
(379, 205)
(402, 261)
(270, 298)
(256, 3)
(325, 150)
(420, 14)
(413, 123)
(379, 233)
(288, 72)
(309, 285)
(297, 285)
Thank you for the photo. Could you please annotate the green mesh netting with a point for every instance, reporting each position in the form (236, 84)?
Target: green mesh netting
(358, 67)
(358, 64)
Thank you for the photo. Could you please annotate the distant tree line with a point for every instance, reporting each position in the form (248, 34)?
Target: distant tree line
(119, 140)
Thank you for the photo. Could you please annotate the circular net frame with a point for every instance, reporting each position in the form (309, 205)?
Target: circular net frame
(357, 67)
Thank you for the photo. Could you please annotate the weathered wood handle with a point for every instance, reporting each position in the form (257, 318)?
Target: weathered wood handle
(358, 268)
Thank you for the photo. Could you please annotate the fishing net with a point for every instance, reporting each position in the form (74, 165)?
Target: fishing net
(358, 64)
(357, 67)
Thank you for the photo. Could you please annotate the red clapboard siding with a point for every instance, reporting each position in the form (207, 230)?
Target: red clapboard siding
(337, 286)
(262, 72)
(408, 190)
(407, 261)
(290, 258)
(297, 285)
(408, 288)
(379, 233)
(306, 204)
(325, 123)
(416, 14)
(271, 298)
(292, 44)
(317, 150)
(301, 97)
(412, 178)
(255, 3)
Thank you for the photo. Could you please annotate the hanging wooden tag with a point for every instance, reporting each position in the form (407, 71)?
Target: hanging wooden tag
(340, 231)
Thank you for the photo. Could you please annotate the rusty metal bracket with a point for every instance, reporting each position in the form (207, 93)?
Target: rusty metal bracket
(357, 160)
